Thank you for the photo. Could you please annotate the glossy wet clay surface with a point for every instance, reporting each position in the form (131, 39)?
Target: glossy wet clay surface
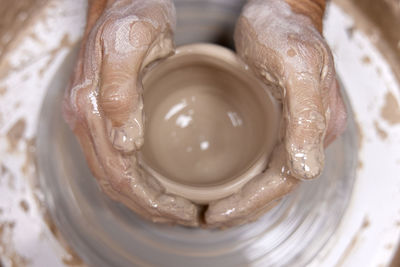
(205, 122)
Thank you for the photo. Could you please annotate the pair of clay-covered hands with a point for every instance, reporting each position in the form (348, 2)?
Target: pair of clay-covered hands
(279, 39)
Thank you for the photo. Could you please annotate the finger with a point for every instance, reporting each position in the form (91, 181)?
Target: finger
(309, 67)
(117, 174)
(124, 181)
(255, 197)
(305, 127)
(293, 61)
(84, 140)
(129, 185)
(129, 43)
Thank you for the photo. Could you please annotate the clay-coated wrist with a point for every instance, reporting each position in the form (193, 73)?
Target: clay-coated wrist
(314, 9)
(95, 9)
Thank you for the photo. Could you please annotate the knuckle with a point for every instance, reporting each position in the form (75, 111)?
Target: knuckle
(140, 34)
(312, 50)
(78, 99)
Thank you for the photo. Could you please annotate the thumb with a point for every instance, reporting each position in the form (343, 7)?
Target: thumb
(306, 126)
(120, 97)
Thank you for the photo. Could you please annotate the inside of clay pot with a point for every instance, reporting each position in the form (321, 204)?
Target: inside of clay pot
(207, 121)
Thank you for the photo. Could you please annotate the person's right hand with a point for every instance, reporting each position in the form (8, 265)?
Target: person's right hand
(104, 106)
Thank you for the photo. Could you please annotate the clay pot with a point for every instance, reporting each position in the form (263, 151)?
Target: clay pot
(210, 123)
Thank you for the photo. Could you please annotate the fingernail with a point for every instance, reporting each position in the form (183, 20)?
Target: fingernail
(130, 136)
(127, 138)
(306, 164)
(121, 141)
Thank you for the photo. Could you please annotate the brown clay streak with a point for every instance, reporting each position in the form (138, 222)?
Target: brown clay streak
(314, 9)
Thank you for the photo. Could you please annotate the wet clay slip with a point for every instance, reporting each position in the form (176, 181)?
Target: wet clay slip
(210, 124)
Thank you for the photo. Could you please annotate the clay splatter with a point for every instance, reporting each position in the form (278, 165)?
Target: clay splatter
(391, 109)
(15, 134)
(360, 134)
(6, 245)
(71, 259)
(379, 71)
(6, 175)
(64, 43)
(24, 205)
(3, 91)
(365, 224)
(29, 163)
(381, 133)
(366, 60)
(350, 32)
(360, 164)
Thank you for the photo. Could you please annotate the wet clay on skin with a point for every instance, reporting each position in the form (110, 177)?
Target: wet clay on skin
(228, 166)
(285, 50)
(103, 105)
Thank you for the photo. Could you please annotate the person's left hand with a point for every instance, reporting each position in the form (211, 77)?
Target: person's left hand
(287, 50)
